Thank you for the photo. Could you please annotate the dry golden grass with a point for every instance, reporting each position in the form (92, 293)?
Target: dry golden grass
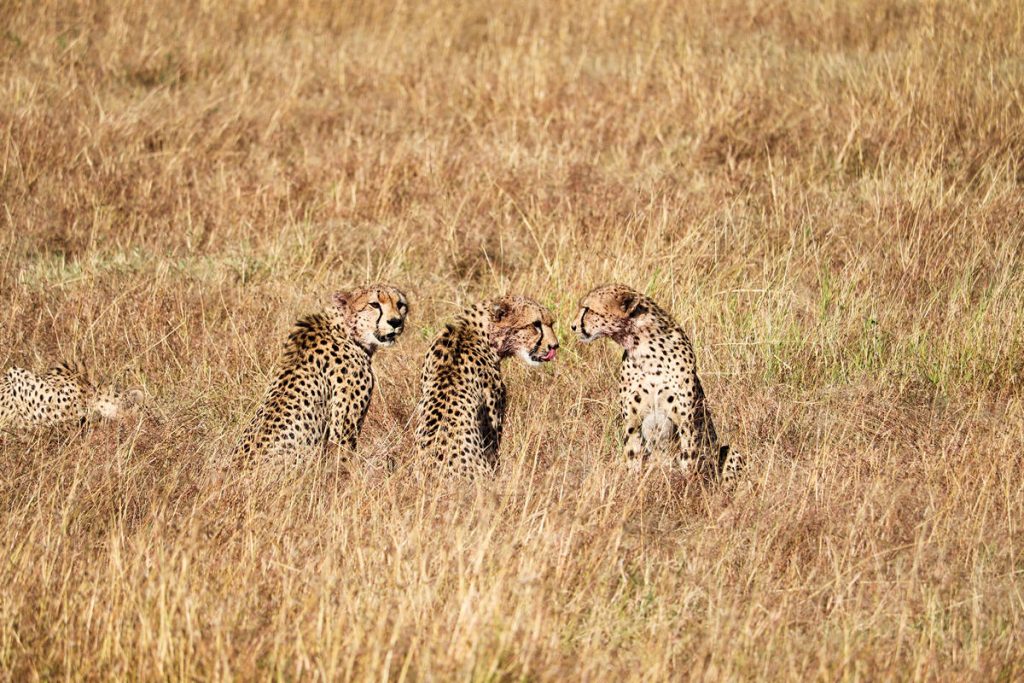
(828, 195)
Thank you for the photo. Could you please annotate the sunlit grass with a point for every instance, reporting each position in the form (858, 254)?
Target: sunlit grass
(826, 194)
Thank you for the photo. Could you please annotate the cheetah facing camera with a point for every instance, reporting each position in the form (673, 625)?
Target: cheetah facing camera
(64, 395)
(462, 408)
(322, 391)
(663, 406)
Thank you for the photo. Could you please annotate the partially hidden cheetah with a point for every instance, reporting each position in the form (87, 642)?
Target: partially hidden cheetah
(462, 407)
(318, 401)
(661, 398)
(65, 395)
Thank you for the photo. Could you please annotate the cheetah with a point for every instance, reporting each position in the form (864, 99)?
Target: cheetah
(661, 398)
(462, 408)
(65, 395)
(319, 398)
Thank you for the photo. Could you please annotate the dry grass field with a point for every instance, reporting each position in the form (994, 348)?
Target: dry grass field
(829, 195)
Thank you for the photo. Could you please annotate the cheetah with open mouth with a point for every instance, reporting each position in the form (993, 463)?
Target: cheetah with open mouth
(321, 394)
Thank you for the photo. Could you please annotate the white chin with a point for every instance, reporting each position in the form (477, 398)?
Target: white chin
(525, 357)
(587, 340)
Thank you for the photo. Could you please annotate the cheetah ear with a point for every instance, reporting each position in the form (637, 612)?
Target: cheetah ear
(632, 306)
(133, 396)
(499, 309)
(341, 300)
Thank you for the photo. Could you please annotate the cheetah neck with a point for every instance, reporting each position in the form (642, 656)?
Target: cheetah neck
(473, 330)
(500, 341)
(636, 338)
(343, 324)
(370, 349)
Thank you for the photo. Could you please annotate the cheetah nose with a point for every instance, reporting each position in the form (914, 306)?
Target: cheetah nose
(395, 322)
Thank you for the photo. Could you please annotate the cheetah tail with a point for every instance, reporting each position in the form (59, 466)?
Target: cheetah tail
(729, 464)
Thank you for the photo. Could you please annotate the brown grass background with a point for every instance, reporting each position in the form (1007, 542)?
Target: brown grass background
(827, 193)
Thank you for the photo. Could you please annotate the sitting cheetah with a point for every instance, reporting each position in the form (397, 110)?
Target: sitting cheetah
(64, 395)
(660, 395)
(462, 408)
(322, 391)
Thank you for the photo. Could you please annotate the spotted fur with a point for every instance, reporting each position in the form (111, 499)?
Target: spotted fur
(662, 402)
(319, 398)
(65, 395)
(461, 413)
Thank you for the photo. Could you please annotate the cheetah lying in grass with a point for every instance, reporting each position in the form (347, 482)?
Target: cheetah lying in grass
(65, 395)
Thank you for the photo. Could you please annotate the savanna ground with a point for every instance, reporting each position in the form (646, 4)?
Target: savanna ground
(827, 194)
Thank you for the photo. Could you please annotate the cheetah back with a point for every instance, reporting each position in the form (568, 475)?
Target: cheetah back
(461, 413)
(318, 399)
(60, 396)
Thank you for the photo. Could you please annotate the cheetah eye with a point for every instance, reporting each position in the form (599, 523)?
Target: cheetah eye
(538, 325)
(374, 304)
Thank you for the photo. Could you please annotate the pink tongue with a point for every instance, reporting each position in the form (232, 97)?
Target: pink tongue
(550, 355)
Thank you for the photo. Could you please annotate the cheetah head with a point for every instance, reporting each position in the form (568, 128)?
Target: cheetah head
(609, 311)
(111, 402)
(522, 327)
(374, 315)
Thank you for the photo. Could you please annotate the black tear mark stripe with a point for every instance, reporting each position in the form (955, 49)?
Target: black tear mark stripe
(540, 340)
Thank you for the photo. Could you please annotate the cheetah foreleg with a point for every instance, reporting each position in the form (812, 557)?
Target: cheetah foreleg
(634, 447)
